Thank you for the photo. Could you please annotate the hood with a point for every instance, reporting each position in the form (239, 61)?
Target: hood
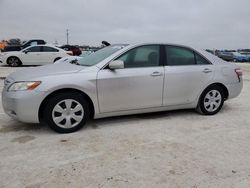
(33, 73)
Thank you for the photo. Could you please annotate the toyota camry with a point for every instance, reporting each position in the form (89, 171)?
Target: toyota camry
(120, 80)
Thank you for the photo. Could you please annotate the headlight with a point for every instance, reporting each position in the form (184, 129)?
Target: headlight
(22, 86)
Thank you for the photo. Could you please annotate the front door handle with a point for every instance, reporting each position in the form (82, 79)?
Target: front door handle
(207, 70)
(156, 74)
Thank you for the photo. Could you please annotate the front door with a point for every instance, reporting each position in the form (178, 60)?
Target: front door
(139, 85)
(31, 55)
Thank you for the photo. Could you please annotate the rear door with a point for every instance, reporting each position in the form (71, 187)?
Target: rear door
(186, 74)
(49, 54)
(139, 85)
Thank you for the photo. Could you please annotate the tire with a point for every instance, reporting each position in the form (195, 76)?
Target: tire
(13, 62)
(66, 112)
(57, 59)
(211, 100)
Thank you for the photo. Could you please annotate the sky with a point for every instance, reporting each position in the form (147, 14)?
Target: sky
(214, 24)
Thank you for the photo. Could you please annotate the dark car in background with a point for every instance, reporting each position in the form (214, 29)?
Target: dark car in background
(226, 56)
(25, 44)
(75, 50)
(238, 57)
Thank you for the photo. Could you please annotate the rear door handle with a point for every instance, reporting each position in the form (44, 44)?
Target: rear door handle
(207, 70)
(156, 74)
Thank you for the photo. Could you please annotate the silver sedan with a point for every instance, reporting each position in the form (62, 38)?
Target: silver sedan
(121, 80)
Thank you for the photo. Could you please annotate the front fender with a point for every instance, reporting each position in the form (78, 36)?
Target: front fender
(84, 82)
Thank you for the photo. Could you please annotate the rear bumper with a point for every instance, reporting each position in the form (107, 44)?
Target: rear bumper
(22, 105)
(234, 89)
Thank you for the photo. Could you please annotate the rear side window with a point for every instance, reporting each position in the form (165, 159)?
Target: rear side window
(177, 56)
(201, 60)
(49, 49)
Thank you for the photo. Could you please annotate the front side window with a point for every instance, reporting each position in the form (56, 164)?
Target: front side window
(49, 49)
(177, 56)
(143, 56)
(34, 49)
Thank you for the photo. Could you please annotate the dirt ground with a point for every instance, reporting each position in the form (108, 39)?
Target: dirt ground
(168, 149)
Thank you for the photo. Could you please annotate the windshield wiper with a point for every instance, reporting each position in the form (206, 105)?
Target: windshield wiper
(75, 62)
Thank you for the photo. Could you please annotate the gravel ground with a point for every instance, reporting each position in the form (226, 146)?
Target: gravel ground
(167, 149)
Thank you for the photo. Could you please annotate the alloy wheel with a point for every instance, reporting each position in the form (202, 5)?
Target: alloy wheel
(212, 100)
(67, 113)
(13, 62)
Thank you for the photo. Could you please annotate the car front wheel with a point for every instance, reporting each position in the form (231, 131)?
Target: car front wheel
(13, 62)
(211, 100)
(66, 112)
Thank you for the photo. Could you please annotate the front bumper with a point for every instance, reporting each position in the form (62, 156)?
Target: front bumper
(22, 105)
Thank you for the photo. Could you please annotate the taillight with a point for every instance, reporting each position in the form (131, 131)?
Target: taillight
(238, 72)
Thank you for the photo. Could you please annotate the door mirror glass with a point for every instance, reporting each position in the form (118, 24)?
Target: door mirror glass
(117, 64)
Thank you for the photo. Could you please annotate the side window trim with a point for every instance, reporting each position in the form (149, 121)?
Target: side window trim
(163, 57)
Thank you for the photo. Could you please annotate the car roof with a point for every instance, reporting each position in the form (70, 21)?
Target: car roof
(49, 45)
(157, 43)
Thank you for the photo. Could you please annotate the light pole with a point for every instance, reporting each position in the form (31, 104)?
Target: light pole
(67, 35)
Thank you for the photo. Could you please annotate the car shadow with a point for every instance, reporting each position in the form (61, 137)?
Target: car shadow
(118, 120)
(15, 126)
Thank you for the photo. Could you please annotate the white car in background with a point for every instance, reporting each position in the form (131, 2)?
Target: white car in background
(33, 55)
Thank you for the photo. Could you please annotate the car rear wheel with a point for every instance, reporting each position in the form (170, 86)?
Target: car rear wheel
(66, 112)
(211, 100)
(13, 62)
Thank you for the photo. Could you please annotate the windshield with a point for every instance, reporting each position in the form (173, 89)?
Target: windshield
(99, 55)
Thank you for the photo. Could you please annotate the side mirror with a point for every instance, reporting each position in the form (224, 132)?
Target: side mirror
(25, 51)
(117, 64)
